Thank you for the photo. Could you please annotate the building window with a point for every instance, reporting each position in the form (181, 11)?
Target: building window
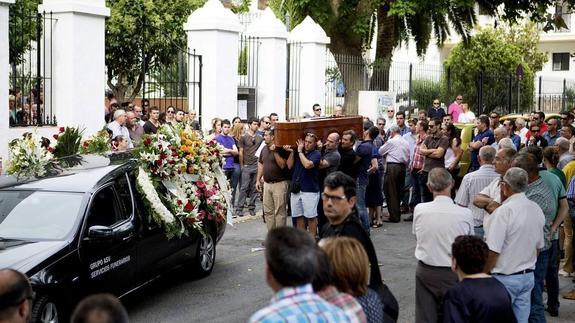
(560, 61)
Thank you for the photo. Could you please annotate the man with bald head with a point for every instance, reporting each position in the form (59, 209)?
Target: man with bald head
(15, 296)
(329, 163)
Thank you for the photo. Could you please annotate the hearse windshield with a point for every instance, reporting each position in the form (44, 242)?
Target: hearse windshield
(34, 215)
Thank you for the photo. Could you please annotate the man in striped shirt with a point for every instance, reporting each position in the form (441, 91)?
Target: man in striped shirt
(473, 183)
(416, 165)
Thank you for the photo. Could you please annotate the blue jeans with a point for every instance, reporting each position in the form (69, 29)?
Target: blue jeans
(415, 189)
(361, 208)
(519, 288)
(552, 277)
(537, 314)
(426, 195)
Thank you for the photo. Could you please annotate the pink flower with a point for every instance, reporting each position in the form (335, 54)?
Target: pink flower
(200, 184)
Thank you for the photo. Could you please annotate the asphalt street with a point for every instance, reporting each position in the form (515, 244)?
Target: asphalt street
(237, 288)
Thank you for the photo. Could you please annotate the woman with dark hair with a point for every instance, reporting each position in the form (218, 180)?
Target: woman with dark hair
(478, 297)
(550, 160)
(453, 154)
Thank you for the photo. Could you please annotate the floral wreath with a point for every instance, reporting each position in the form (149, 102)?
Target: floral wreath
(179, 173)
(187, 169)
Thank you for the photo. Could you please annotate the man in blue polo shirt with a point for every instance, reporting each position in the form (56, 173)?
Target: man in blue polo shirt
(484, 137)
(305, 189)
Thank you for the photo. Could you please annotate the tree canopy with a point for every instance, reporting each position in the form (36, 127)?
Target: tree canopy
(497, 53)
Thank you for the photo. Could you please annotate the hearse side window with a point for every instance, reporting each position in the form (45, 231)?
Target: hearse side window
(105, 209)
(123, 190)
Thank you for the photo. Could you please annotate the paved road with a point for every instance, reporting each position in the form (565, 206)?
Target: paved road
(236, 288)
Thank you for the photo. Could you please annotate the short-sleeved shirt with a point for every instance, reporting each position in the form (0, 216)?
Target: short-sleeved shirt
(228, 142)
(332, 158)
(347, 162)
(547, 194)
(471, 185)
(250, 145)
(474, 153)
(308, 178)
(559, 173)
(516, 233)
(365, 151)
(272, 172)
(481, 300)
(433, 142)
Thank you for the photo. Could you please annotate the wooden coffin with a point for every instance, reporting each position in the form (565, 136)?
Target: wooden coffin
(287, 133)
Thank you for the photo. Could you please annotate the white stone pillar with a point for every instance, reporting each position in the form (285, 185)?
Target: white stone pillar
(78, 58)
(272, 62)
(4, 72)
(213, 32)
(311, 63)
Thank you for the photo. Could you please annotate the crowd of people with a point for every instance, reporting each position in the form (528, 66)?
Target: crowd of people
(487, 241)
(400, 166)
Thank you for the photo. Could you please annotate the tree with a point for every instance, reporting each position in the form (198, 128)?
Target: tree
(141, 36)
(22, 29)
(496, 53)
(350, 24)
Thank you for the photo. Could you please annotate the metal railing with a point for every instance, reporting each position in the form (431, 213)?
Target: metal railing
(31, 69)
(416, 85)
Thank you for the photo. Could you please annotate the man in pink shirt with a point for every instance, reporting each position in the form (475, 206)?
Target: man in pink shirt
(455, 108)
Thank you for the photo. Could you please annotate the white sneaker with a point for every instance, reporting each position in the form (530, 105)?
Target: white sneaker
(564, 273)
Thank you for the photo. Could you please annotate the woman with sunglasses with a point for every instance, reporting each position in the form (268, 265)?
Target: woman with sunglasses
(170, 115)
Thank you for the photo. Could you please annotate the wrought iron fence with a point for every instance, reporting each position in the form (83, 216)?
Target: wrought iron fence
(176, 84)
(416, 85)
(248, 51)
(31, 68)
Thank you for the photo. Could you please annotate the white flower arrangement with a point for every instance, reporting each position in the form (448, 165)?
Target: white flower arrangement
(150, 193)
(27, 156)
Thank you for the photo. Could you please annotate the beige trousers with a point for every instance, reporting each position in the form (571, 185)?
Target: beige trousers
(275, 204)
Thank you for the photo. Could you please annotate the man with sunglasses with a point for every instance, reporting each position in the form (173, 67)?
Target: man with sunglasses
(535, 138)
(16, 296)
(537, 119)
(566, 118)
(316, 111)
(552, 131)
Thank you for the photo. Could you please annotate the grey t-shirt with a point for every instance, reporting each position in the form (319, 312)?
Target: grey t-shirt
(250, 144)
(333, 158)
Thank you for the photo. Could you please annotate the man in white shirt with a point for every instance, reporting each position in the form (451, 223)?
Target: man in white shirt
(490, 197)
(514, 239)
(396, 154)
(522, 130)
(476, 181)
(436, 224)
(118, 126)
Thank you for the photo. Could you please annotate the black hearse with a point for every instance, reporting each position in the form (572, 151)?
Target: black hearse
(87, 230)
